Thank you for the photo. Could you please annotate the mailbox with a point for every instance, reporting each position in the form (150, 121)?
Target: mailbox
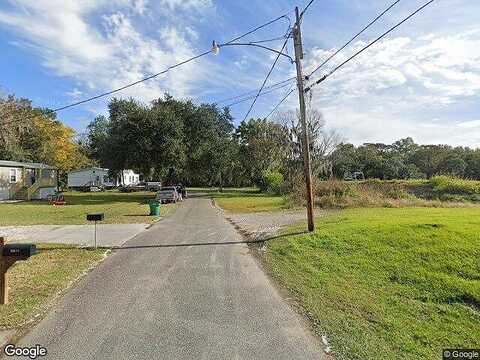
(10, 254)
(95, 217)
(19, 250)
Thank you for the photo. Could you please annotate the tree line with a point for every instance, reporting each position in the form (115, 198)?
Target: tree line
(404, 159)
(178, 141)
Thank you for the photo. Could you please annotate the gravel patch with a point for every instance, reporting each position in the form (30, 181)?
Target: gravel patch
(262, 225)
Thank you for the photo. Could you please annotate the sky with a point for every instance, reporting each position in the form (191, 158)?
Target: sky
(422, 81)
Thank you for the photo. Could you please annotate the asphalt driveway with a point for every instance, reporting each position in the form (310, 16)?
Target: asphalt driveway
(183, 289)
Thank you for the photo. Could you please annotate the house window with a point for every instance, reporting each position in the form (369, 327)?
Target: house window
(106, 179)
(13, 175)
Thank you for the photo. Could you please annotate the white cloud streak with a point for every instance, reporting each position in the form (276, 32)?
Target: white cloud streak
(389, 91)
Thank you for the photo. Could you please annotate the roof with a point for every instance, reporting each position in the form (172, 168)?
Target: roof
(29, 165)
(88, 169)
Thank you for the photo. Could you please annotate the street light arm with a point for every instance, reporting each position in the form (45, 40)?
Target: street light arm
(260, 46)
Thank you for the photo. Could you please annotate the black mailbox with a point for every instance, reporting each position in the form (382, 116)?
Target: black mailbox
(19, 250)
(95, 217)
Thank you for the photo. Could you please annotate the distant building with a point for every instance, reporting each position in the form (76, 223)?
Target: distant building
(27, 181)
(96, 176)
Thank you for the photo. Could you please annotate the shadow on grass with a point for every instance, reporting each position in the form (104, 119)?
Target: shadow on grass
(143, 215)
(132, 247)
(228, 192)
(99, 198)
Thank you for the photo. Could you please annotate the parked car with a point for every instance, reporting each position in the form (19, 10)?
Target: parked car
(168, 194)
(153, 185)
(133, 187)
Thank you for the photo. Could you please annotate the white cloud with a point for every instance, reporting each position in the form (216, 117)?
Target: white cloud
(186, 4)
(470, 124)
(387, 92)
(67, 37)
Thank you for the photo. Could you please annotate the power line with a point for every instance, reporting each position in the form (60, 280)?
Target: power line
(369, 45)
(169, 68)
(266, 78)
(275, 62)
(285, 16)
(253, 96)
(329, 58)
(280, 102)
(306, 8)
(355, 37)
(252, 92)
(268, 40)
(131, 84)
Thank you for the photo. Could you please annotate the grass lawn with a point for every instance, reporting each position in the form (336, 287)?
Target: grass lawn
(244, 200)
(388, 283)
(119, 208)
(35, 282)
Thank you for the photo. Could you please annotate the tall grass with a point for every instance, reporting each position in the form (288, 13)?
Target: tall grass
(439, 191)
(452, 185)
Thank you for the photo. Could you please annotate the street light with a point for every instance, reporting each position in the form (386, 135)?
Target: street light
(297, 37)
(216, 48)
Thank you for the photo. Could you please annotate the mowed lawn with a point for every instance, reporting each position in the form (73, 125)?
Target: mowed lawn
(387, 283)
(243, 200)
(35, 283)
(118, 207)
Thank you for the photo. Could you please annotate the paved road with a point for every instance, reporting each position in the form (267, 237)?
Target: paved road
(174, 292)
(83, 235)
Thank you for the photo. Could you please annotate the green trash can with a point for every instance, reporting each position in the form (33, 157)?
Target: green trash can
(154, 208)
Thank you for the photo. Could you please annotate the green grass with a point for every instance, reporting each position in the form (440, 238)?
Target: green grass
(388, 283)
(119, 208)
(243, 200)
(35, 282)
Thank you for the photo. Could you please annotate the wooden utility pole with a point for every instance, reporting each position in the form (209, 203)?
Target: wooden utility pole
(297, 38)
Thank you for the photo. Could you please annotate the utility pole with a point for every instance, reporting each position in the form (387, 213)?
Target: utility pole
(297, 38)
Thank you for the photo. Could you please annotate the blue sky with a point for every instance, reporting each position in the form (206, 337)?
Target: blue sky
(423, 80)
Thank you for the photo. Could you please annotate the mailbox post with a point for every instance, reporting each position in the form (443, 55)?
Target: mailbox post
(9, 254)
(95, 218)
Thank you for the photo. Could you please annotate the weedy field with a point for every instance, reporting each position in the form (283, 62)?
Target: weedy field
(440, 191)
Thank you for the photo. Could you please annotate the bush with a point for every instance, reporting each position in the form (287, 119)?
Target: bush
(334, 187)
(272, 182)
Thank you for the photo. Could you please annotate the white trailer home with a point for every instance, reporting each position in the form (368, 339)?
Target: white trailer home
(96, 176)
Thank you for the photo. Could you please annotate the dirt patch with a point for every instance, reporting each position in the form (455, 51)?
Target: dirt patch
(263, 225)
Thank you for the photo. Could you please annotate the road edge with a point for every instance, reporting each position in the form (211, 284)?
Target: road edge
(13, 335)
(257, 249)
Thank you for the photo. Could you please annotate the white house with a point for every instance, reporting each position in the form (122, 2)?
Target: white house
(128, 177)
(96, 176)
(26, 181)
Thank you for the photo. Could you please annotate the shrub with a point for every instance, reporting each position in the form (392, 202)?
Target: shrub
(272, 182)
(333, 187)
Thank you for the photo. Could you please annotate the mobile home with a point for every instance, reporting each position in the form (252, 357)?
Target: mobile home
(96, 176)
(27, 181)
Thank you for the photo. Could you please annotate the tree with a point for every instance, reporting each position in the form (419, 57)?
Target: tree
(263, 145)
(34, 134)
